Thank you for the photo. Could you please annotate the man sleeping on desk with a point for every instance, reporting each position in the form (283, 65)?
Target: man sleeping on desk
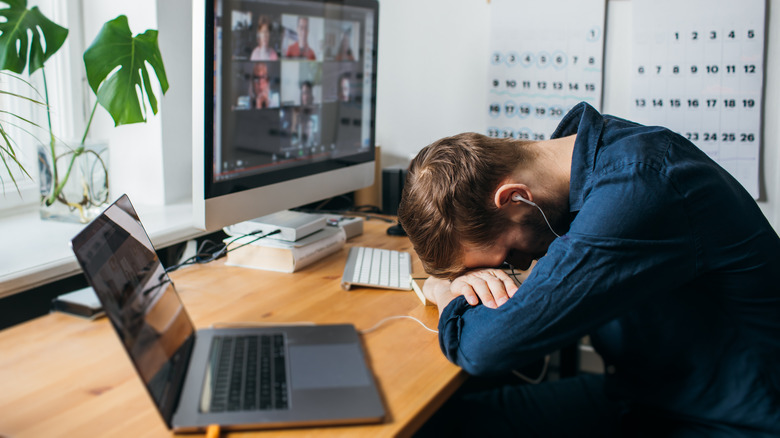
(642, 241)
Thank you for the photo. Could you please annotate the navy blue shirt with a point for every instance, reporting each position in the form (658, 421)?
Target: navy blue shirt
(671, 268)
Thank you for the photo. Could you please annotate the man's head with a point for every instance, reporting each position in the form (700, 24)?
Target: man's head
(453, 204)
(307, 93)
(260, 78)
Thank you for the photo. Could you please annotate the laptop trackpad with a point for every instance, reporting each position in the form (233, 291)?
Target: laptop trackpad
(327, 366)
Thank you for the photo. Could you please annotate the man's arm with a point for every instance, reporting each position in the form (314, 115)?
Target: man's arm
(437, 290)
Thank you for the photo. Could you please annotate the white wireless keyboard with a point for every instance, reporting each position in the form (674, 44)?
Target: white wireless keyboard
(374, 267)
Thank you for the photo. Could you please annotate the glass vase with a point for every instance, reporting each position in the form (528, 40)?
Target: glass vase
(73, 182)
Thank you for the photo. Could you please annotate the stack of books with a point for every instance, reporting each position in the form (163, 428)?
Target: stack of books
(303, 238)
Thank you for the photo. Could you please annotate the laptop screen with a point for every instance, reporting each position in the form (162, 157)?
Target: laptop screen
(138, 297)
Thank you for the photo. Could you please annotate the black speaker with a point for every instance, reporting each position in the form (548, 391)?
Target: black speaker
(393, 179)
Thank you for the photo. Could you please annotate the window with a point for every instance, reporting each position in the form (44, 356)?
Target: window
(66, 89)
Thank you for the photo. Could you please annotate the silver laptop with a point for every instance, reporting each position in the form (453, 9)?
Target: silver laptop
(238, 378)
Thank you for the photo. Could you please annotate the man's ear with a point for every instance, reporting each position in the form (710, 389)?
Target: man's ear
(506, 192)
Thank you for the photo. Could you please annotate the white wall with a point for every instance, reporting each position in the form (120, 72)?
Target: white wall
(433, 77)
(432, 73)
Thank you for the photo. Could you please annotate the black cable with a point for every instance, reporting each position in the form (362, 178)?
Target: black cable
(362, 214)
(210, 251)
(368, 209)
(371, 216)
(509, 267)
(251, 241)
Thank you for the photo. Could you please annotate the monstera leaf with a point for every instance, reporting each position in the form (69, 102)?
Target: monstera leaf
(117, 72)
(15, 45)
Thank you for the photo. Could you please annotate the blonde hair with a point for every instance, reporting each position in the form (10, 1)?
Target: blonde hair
(448, 197)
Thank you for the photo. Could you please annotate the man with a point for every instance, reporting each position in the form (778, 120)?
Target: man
(307, 93)
(662, 258)
(300, 48)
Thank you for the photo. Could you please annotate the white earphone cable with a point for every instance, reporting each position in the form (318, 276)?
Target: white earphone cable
(545, 219)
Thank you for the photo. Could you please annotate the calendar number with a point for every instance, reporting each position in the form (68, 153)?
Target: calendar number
(694, 69)
(713, 35)
(725, 137)
(693, 104)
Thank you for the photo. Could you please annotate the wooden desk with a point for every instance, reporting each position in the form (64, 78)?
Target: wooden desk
(64, 376)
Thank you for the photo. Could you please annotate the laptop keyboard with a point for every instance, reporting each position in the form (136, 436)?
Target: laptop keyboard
(377, 267)
(248, 373)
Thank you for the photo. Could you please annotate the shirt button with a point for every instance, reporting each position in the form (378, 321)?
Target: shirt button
(611, 369)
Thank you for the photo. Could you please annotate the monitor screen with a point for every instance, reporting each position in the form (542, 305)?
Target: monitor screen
(290, 94)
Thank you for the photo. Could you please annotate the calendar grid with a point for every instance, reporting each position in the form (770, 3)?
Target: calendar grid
(700, 73)
(539, 70)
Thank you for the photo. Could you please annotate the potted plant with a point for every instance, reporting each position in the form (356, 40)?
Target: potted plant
(116, 69)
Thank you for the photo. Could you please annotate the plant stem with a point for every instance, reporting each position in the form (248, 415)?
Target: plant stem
(55, 180)
(92, 196)
(58, 186)
(89, 123)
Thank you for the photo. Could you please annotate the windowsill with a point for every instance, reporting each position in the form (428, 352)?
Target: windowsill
(37, 252)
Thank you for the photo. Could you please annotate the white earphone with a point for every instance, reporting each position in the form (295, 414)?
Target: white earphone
(517, 197)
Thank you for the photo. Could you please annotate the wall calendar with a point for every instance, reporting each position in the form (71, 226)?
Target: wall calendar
(700, 72)
(545, 57)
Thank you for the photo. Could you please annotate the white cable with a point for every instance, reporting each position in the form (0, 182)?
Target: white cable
(520, 375)
(377, 325)
(539, 378)
(545, 219)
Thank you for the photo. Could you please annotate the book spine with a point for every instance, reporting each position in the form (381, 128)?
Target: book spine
(288, 259)
(417, 286)
(306, 255)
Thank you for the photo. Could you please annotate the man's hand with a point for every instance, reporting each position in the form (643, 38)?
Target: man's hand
(491, 286)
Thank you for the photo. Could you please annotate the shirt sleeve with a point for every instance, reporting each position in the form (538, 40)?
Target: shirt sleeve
(631, 239)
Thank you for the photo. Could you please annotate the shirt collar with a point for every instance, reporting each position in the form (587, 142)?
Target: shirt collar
(587, 123)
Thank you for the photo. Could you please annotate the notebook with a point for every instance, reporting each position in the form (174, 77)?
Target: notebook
(239, 378)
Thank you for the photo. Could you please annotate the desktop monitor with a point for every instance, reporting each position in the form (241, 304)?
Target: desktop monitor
(289, 104)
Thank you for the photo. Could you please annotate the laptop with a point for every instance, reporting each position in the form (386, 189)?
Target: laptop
(238, 378)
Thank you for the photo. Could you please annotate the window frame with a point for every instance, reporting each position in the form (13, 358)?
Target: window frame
(68, 100)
